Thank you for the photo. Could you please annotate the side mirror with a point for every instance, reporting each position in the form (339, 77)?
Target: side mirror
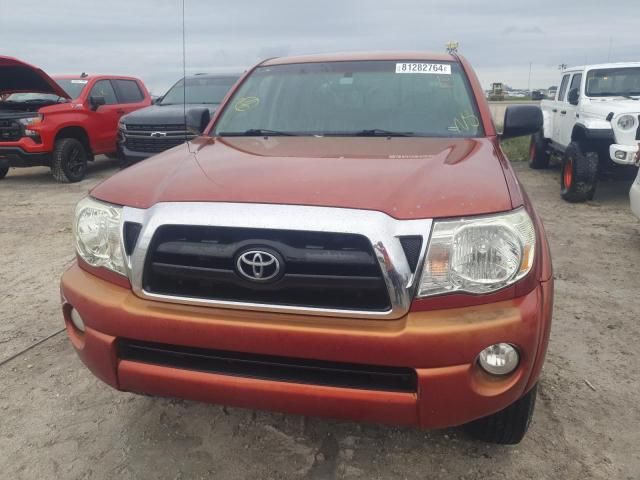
(97, 102)
(574, 96)
(520, 120)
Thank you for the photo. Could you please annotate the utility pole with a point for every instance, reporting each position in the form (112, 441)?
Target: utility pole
(562, 66)
(529, 81)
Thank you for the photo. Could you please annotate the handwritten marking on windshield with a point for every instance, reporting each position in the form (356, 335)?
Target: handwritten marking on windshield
(464, 123)
(246, 103)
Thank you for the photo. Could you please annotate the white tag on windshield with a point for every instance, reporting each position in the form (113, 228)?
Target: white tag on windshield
(435, 68)
(79, 81)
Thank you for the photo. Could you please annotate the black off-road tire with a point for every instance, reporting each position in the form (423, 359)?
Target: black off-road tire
(538, 152)
(507, 426)
(69, 160)
(3, 172)
(579, 173)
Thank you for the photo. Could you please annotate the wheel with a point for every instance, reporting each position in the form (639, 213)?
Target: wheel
(3, 172)
(579, 173)
(538, 154)
(69, 160)
(507, 426)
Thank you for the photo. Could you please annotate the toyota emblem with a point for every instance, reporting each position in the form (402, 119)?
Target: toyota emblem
(259, 265)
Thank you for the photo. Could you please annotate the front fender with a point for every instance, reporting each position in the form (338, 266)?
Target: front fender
(593, 129)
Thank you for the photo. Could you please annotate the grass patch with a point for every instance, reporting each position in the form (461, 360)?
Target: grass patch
(517, 149)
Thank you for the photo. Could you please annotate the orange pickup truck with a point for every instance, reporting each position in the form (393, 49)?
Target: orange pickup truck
(346, 239)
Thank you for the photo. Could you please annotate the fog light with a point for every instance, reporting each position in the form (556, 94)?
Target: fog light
(76, 319)
(499, 359)
(620, 154)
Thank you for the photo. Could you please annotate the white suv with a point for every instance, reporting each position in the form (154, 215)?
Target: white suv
(593, 123)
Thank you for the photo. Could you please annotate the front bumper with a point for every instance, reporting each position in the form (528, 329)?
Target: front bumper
(634, 196)
(441, 346)
(630, 152)
(131, 156)
(18, 157)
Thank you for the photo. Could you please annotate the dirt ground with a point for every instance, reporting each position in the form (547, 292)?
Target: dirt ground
(58, 421)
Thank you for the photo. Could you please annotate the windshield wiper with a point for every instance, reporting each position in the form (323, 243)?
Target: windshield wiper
(373, 132)
(256, 132)
(629, 97)
(377, 132)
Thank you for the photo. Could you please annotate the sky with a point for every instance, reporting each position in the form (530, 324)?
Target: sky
(503, 40)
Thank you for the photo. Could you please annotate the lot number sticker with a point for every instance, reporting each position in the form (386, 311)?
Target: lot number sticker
(436, 68)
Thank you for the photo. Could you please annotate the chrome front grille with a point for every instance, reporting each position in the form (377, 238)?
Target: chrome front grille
(336, 262)
(319, 269)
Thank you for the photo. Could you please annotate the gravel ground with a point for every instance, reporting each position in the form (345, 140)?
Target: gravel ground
(58, 421)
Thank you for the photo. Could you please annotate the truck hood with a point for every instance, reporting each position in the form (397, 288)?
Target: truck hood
(600, 108)
(406, 178)
(171, 114)
(18, 76)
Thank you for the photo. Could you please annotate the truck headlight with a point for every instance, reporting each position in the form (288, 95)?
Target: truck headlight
(31, 121)
(478, 255)
(97, 233)
(626, 122)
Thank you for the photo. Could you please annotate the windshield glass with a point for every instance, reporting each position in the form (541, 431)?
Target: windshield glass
(73, 86)
(353, 98)
(199, 90)
(612, 82)
(31, 97)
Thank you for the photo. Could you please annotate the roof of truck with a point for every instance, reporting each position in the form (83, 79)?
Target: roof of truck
(357, 56)
(602, 65)
(92, 76)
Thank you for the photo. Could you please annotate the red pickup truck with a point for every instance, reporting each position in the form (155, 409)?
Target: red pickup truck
(61, 122)
(347, 238)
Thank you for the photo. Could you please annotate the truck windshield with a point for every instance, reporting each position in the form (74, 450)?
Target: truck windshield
(353, 98)
(613, 82)
(199, 90)
(31, 97)
(73, 86)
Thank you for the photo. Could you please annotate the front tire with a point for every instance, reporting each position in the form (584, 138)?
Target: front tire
(538, 152)
(3, 172)
(508, 426)
(579, 173)
(69, 162)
